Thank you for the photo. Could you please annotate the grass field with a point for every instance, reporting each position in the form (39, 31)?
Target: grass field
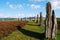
(31, 31)
(58, 36)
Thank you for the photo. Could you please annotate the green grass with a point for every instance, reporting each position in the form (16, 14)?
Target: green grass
(31, 22)
(58, 35)
(35, 27)
(31, 26)
(17, 35)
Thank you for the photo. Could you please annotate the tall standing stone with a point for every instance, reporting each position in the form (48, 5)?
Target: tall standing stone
(37, 19)
(21, 19)
(18, 19)
(48, 20)
(25, 19)
(46, 27)
(54, 25)
(41, 22)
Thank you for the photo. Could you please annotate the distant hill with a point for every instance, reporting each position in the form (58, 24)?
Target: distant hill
(25, 18)
(31, 18)
(7, 19)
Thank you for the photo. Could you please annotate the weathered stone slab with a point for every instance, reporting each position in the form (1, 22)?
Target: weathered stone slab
(48, 20)
(54, 25)
(50, 23)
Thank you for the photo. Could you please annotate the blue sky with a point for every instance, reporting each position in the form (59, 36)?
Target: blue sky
(26, 8)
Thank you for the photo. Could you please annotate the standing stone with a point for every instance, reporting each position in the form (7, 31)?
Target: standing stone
(48, 20)
(41, 22)
(18, 19)
(21, 19)
(37, 19)
(54, 25)
(46, 27)
(25, 19)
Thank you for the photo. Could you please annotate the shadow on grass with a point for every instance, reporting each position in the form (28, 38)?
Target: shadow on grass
(40, 36)
(34, 24)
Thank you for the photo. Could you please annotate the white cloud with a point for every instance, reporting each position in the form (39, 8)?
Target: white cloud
(19, 15)
(14, 6)
(36, 0)
(33, 6)
(11, 16)
(19, 6)
(55, 4)
(3, 16)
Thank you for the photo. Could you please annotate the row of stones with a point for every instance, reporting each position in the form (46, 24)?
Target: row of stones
(50, 22)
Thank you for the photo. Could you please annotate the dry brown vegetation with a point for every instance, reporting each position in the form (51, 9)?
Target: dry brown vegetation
(7, 27)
